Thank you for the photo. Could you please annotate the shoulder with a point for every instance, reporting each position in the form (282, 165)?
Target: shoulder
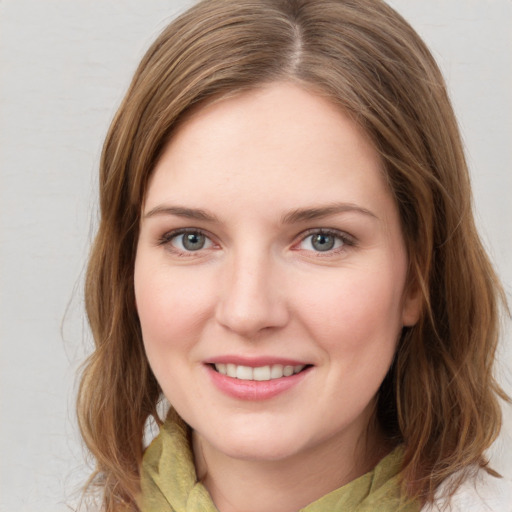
(480, 493)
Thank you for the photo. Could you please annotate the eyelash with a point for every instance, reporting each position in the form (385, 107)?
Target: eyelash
(167, 238)
(346, 240)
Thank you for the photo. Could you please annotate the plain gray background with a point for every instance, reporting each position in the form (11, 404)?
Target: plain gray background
(64, 66)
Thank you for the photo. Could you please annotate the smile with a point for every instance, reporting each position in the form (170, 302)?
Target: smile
(258, 373)
(256, 382)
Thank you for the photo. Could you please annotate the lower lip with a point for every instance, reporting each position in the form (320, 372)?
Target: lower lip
(254, 389)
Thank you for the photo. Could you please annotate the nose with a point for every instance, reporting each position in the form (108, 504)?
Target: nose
(252, 296)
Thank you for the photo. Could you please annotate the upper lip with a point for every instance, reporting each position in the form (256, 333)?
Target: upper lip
(254, 362)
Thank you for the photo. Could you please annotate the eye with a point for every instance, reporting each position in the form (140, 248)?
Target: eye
(187, 240)
(324, 241)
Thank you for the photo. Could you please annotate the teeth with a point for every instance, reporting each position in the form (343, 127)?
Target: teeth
(276, 371)
(287, 371)
(260, 373)
(244, 373)
(230, 370)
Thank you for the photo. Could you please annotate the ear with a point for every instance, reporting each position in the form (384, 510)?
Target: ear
(412, 304)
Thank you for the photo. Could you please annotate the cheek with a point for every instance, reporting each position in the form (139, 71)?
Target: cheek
(356, 312)
(171, 305)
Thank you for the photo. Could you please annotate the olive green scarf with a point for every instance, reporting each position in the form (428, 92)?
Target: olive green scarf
(169, 483)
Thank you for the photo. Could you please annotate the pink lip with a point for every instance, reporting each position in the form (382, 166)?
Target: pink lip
(252, 389)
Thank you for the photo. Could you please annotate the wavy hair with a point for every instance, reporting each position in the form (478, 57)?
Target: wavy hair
(440, 398)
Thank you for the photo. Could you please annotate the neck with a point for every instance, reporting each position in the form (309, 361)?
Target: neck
(285, 485)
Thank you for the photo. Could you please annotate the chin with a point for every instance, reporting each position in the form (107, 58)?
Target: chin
(269, 442)
(261, 450)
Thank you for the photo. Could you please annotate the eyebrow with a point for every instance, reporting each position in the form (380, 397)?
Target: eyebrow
(294, 216)
(181, 211)
(305, 214)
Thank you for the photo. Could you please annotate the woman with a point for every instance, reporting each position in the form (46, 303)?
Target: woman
(287, 253)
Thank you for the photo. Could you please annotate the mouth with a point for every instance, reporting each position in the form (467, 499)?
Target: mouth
(258, 373)
(256, 379)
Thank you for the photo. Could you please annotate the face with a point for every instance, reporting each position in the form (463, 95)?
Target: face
(270, 274)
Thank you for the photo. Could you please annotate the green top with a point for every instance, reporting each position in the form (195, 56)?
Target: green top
(169, 483)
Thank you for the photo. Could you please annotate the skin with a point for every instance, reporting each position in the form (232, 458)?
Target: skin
(259, 287)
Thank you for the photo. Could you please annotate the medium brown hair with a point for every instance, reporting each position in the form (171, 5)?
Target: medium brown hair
(440, 397)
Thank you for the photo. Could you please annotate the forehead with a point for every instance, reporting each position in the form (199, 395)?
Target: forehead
(280, 142)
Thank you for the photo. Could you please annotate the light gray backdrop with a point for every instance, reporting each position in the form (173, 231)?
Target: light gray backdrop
(64, 66)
